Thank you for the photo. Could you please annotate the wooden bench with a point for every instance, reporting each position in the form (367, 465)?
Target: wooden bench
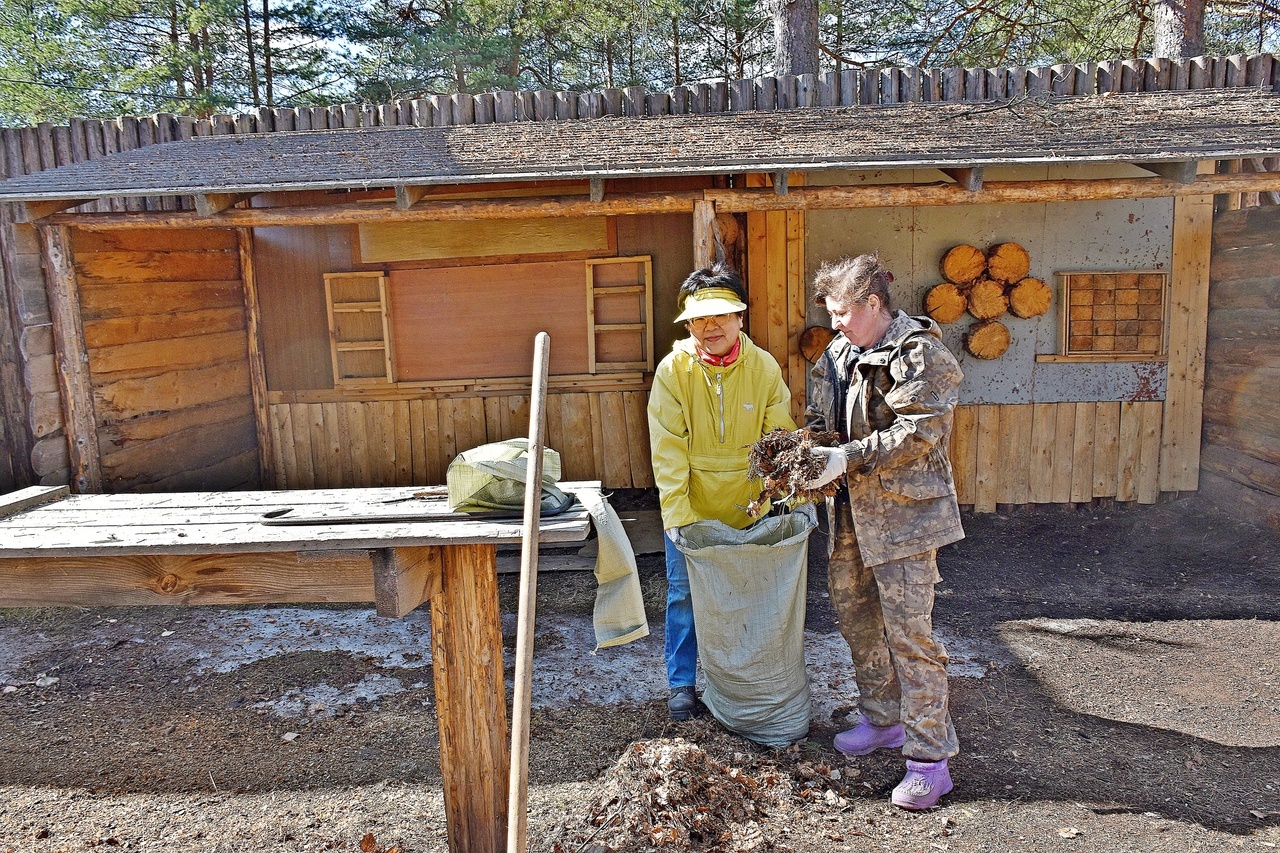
(397, 547)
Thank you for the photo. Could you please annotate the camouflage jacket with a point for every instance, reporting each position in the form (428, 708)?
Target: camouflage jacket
(893, 405)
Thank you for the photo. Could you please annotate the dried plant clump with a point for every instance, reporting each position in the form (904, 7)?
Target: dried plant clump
(669, 793)
(782, 462)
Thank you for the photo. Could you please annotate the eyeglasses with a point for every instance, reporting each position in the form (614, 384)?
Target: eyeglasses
(701, 323)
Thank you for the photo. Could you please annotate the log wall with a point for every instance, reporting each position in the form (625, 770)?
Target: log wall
(1240, 457)
(164, 329)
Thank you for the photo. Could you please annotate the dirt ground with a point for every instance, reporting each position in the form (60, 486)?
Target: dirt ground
(1119, 691)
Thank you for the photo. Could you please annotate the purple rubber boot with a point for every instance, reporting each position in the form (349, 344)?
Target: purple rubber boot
(924, 784)
(865, 738)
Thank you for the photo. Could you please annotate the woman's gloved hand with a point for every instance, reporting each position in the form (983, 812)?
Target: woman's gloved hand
(834, 462)
(671, 532)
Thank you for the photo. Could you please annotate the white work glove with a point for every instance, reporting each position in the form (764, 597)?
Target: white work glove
(835, 463)
(671, 533)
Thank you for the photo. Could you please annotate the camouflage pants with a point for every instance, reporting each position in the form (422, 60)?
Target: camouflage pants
(886, 615)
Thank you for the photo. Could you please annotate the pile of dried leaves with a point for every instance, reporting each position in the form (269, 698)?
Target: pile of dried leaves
(668, 793)
(782, 461)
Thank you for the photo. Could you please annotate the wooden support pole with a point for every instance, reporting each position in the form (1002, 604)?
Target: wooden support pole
(257, 363)
(704, 234)
(597, 190)
(74, 381)
(403, 578)
(780, 183)
(466, 658)
(518, 798)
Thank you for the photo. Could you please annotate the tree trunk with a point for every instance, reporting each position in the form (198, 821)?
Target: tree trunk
(1179, 28)
(266, 52)
(795, 30)
(675, 46)
(252, 53)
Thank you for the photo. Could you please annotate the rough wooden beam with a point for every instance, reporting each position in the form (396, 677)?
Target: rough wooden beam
(211, 204)
(1182, 171)
(32, 496)
(257, 363)
(404, 578)
(993, 192)
(79, 418)
(970, 179)
(34, 211)
(407, 196)
(597, 190)
(532, 207)
(780, 183)
(127, 580)
(1258, 166)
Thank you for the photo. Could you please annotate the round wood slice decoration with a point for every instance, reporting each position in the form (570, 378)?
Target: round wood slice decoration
(987, 300)
(945, 303)
(729, 228)
(987, 339)
(1029, 298)
(813, 341)
(964, 263)
(1008, 263)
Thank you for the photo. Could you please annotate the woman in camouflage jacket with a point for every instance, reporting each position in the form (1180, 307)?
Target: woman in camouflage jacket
(888, 385)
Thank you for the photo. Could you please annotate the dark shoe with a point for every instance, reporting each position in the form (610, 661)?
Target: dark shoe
(683, 704)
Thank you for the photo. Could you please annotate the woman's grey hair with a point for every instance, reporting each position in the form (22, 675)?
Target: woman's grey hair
(852, 280)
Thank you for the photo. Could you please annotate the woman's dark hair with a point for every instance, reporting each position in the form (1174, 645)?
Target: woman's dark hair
(852, 280)
(716, 275)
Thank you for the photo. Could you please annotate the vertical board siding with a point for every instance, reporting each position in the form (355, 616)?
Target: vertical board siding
(167, 345)
(1240, 459)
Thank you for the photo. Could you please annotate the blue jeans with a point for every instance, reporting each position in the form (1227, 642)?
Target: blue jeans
(682, 643)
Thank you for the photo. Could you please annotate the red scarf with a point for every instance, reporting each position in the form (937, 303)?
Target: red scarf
(720, 360)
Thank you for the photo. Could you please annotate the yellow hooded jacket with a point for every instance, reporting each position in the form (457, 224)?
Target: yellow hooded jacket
(702, 422)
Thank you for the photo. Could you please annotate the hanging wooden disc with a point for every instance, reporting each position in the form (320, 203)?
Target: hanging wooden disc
(964, 263)
(813, 341)
(987, 339)
(945, 303)
(987, 300)
(1008, 263)
(1029, 298)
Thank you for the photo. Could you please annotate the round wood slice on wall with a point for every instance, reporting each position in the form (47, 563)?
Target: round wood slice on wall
(1029, 298)
(964, 263)
(945, 303)
(813, 341)
(1008, 263)
(987, 300)
(987, 339)
(729, 228)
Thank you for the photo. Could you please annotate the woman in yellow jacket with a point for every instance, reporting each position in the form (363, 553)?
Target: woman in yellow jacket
(713, 396)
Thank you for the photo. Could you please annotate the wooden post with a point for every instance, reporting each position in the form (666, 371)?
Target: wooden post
(704, 239)
(74, 382)
(466, 651)
(1188, 331)
(257, 365)
(517, 800)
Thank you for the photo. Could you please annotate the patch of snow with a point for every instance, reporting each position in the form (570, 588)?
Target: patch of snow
(325, 700)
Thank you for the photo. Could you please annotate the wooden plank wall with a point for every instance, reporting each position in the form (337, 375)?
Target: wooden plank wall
(599, 435)
(165, 332)
(1240, 457)
(1056, 453)
(776, 288)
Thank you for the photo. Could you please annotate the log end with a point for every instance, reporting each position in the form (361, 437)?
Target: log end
(987, 339)
(945, 303)
(1008, 263)
(963, 264)
(1029, 298)
(987, 300)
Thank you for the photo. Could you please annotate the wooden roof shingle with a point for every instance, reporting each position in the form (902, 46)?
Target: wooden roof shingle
(1135, 128)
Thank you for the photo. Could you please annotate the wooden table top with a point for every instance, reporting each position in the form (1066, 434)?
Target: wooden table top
(233, 522)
